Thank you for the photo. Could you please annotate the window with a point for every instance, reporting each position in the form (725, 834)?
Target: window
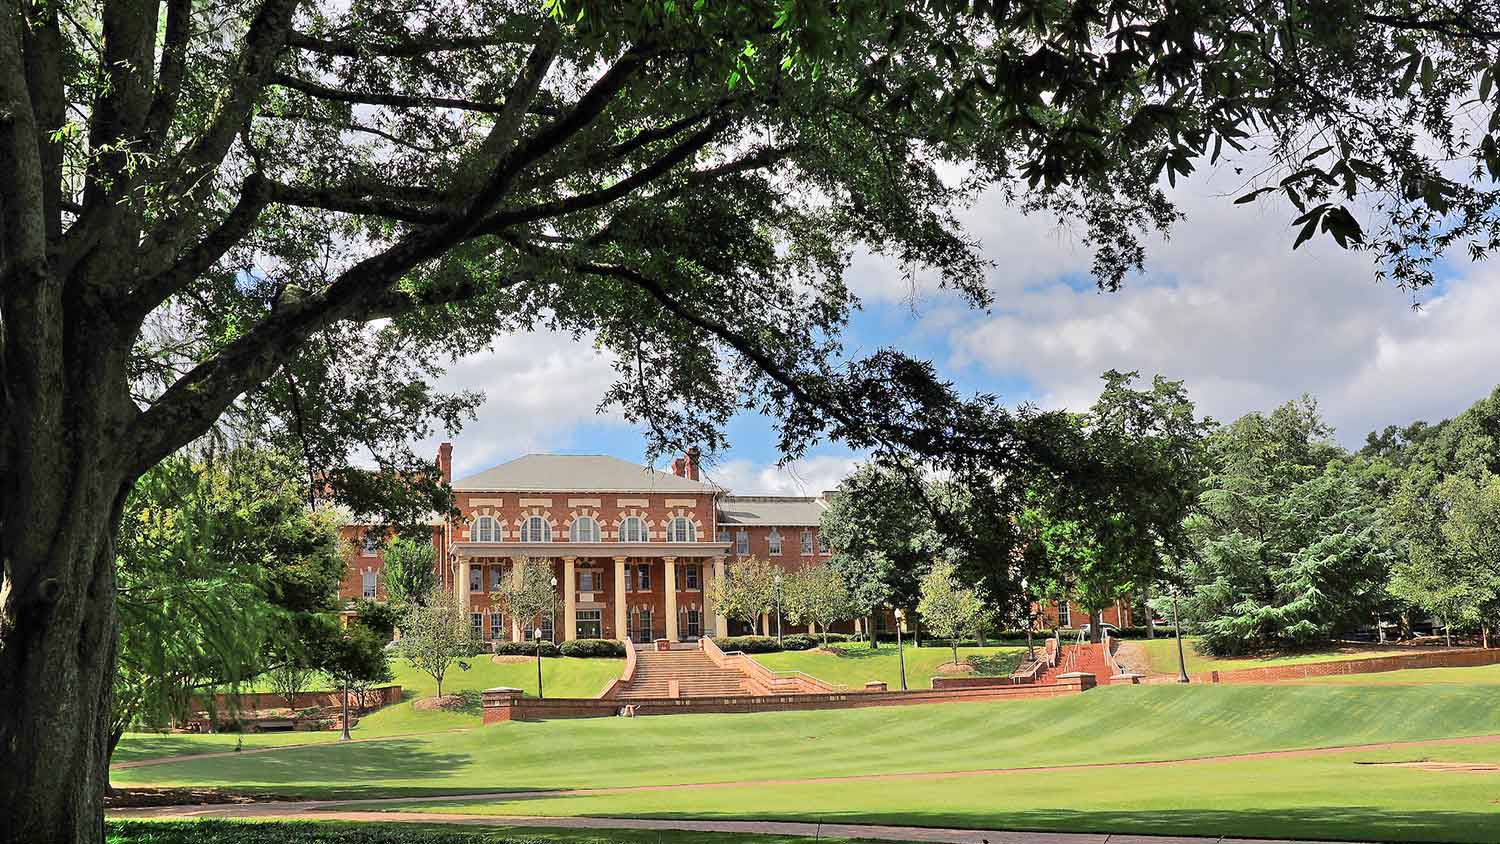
(497, 577)
(590, 624)
(486, 529)
(775, 542)
(644, 571)
(476, 619)
(497, 626)
(742, 543)
(681, 529)
(642, 632)
(1064, 614)
(633, 529)
(546, 626)
(822, 545)
(369, 584)
(584, 529)
(476, 578)
(536, 529)
(588, 581)
(723, 536)
(694, 626)
(807, 544)
(690, 577)
(369, 544)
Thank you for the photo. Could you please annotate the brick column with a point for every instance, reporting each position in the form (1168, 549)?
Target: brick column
(622, 630)
(669, 584)
(721, 624)
(570, 600)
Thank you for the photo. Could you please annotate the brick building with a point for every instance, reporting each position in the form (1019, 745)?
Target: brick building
(632, 549)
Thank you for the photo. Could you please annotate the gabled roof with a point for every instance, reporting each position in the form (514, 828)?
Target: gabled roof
(578, 473)
(766, 510)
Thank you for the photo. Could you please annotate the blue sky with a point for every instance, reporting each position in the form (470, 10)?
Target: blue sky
(1225, 304)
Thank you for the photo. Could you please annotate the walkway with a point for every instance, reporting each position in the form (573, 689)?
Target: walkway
(809, 830)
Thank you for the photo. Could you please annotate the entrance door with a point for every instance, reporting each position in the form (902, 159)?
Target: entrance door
(590, 624)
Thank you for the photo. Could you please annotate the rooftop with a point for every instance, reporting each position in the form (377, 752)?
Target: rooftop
(784, 510)
(578, 473)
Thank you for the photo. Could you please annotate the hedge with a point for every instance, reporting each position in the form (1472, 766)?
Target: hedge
(748, 644)
(593, 648)
(525, 649)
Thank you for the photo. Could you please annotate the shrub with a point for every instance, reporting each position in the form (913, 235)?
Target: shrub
(526, 649)
(1163, 631)
(798, 642)
(748, 644)
(593, 648)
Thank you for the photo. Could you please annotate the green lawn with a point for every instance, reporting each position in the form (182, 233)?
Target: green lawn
(1162, 654)
(1479, 675)
(303, 832)
(1122, 723)
(856, 664)
(561, 677)
(1329, 797)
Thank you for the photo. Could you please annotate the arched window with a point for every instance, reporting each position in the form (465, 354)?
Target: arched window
(681, 529)
(486, 529)
(536, 529)
(584, 529)
(633, 529)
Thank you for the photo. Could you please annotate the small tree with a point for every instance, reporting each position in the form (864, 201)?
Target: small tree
(949, 609)
(747, 590)
(410, 571)
(528, 592)
(355, 657)
(289, 673)
(817, 594)
(435, 633)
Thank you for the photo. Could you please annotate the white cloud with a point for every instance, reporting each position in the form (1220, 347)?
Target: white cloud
(808, 476)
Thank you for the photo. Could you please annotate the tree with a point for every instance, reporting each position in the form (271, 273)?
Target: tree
(530, 591)
(950, 610)
(816, 594)
(354, 657)
(747, 590)
(436, 634)
(289, 674)
(409, 570)
(1458, 581)
(292, 220)
(1289, 545)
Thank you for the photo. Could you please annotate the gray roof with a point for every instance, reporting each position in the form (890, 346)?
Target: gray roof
(767, 510)
(578, 473)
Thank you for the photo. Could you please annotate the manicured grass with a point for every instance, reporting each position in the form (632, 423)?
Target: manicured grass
(1327, 797)
(1110, 724)
(856, 664)
(1478, 675)
(303, 832)
(1162, 654)
(561, 677)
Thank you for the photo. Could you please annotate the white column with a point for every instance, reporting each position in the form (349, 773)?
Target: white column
(516, 633)
(721, 624)
(570, 600)
(463, 585)
(669, 583)
(622, 630)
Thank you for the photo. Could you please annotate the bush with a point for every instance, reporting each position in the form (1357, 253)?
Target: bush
(1163, 631)
(798, 642)
(525, 649)
(748, 644)
(593, 648)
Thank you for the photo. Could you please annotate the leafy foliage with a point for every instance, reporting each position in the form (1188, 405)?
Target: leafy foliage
(529, 592)
(747, 590)
(949, 610)
(409, 570)
(816, 594)
(436, 634)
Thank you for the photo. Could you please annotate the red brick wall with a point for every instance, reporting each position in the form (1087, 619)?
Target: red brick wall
(378, 696)
(1457, 658)
(1119, 615)
(352, 584)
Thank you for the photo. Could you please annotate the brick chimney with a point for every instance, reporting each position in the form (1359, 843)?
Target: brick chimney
(692, 462)
(445, 462)
(679, 468)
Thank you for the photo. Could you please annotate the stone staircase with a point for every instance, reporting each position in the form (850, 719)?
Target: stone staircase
(695, 675)
(1088, 658)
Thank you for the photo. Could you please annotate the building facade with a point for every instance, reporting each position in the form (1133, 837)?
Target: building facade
(632, 550)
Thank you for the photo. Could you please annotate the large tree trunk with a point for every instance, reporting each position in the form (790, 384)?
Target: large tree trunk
(1096, 621)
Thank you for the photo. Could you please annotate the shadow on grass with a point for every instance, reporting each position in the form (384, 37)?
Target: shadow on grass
(305, 832)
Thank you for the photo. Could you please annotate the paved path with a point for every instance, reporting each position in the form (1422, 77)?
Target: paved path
(943, 835)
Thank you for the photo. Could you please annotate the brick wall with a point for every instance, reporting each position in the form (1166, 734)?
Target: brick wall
(1457, 658)
(376, 697)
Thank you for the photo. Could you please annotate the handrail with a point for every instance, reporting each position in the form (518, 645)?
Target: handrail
(1109, 654)
(1070, 658)
(743, 661)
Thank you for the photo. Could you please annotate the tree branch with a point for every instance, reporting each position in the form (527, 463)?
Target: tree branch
(352, 201)
(324, 92)
(411, 48)
(179, 32)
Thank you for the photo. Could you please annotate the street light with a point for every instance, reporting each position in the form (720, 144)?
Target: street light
(777, 581)
(900, 649)
(552, 613)
(538, 634)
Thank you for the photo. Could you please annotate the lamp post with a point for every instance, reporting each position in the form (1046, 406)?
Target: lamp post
(552, 612)
(777, 581)
(538, 635)
(1182, 675)
(901, 649)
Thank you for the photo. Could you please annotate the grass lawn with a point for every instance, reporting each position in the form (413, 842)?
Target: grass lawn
(856, 664)
(1478, 675)
(1329, 797)
(561, 677)
(1122, 723)
(1162, 654)
(303, 832)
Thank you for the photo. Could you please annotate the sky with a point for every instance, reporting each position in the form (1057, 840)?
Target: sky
(1225, 304)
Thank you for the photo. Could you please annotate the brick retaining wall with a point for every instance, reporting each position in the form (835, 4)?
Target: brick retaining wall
(1456, 658)
(972, 682)
(508, 705)
(376, 697)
